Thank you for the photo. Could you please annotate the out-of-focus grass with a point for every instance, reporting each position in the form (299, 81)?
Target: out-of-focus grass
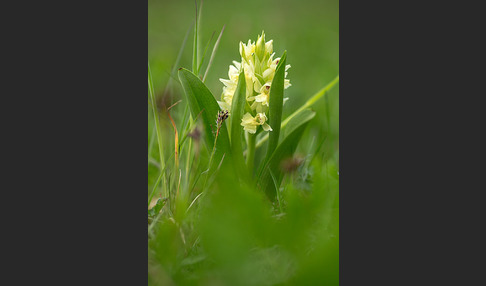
(237, 240)
(232, 235)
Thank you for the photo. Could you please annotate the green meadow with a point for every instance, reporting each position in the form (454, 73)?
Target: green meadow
(243, 172)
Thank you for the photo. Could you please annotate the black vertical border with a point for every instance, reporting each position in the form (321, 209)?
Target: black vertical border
(79, 74)
(410, 147)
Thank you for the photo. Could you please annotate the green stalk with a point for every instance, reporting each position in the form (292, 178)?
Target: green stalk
(195, 46)
(309, 103)
(210, 160)
(188, 164)
(157, 127)
(156, 118)
(313, 99)
(250, 158)
(151, 144)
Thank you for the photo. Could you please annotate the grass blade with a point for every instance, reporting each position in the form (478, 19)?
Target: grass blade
(179, 55)
(204, 54)
(151, 144)
(156, 118)
(195, 45)
(176, 135)
(198, 42)
(213, 53)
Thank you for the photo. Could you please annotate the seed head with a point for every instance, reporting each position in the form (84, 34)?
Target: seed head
(222, 115)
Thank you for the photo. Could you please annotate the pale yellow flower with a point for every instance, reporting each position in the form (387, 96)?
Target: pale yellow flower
(251, 123)
(257, 60)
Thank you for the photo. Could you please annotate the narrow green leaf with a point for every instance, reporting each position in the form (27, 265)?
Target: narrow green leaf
(158, 129)
(195, 44)
(213, 53)
(300, 118)
(151, 144)
(284, 151)
(179, 55)
(204, 53)
(276, 185)
(193, 260)
(237, 110)
(260, 78)
(185, 121)
(200, 99)
(276, 104)
(199, 33)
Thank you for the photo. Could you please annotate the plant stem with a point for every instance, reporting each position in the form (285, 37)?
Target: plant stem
(189, 152)
(211, 160)
(195, 46)
(250, 158)
(157, 127)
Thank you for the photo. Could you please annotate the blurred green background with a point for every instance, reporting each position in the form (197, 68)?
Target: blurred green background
(234, 238)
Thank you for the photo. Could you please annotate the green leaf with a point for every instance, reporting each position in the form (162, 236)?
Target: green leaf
(191, 260)
(213, 53)
(276, 104)
(260, 78)
(196, 42)
(179, 55)
(284, 151)
(157, 207)
(204, 54)
(237, 110)
(159, 133)
(200, 99)
(300, 118)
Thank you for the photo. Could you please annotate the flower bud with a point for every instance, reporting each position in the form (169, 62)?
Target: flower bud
(242, 49)
(260, 46)
(269, 47)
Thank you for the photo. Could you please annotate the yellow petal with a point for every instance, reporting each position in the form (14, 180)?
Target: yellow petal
(267, 127)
